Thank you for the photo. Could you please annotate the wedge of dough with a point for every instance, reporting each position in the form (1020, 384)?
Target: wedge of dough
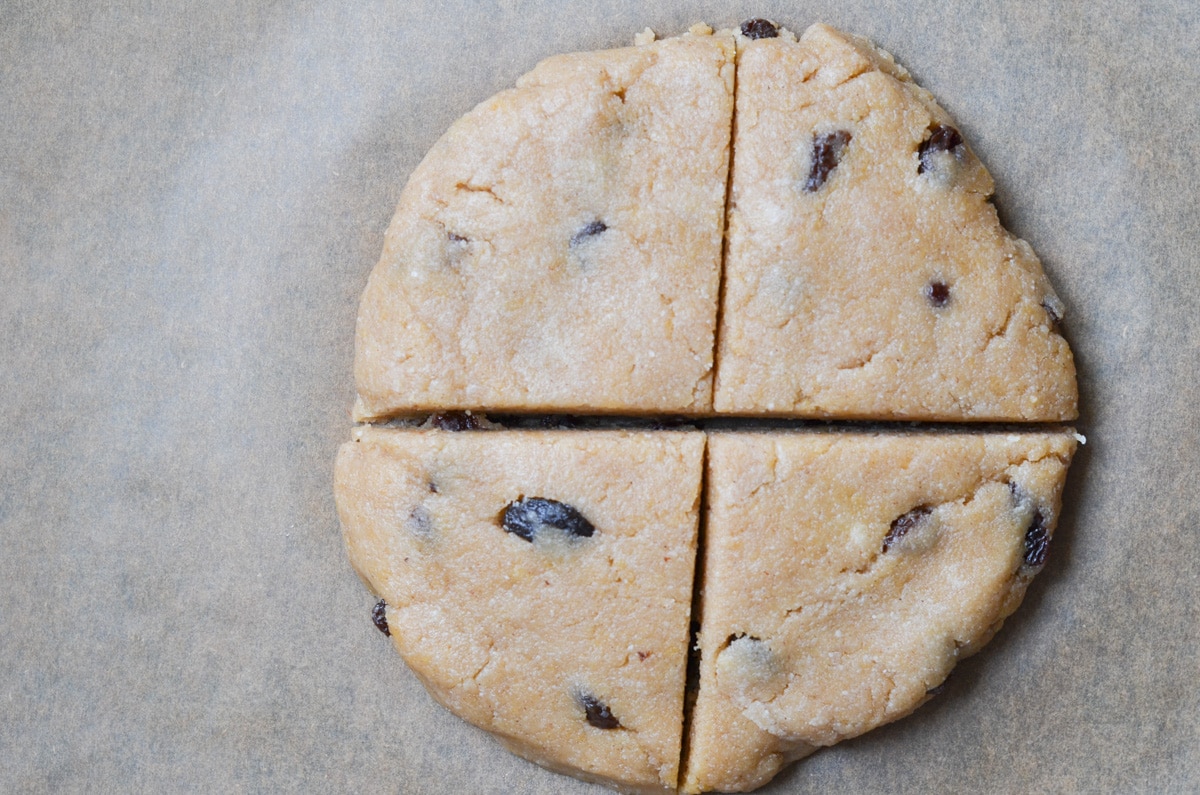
(568, 641)
(868, 276)
(559, 248)
(846, 574)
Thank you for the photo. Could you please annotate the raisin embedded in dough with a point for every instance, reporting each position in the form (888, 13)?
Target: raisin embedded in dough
(759, 29)
(597, 713)
(900, 527)
(942, 138)
(826, 154)
(533, 517)
(938, 294)
(1037, 541)
(379, 617)
(592, 229)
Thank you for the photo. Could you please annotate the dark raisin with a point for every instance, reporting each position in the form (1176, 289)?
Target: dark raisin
(1037, 541)
(942, 138)
(759, 29)
(530, 517)
(455, 421)
(379, 616)
(591, 230)
(597, 712)
(826, 154)
(938, 294)
(1037, 536)
(456, 238)
(903, 524)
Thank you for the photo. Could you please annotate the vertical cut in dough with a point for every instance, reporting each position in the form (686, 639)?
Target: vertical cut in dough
(538, 582)
(868, 276)
(559, 248)
(846, 574)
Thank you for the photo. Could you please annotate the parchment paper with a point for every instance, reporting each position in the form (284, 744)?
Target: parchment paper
(191, 198)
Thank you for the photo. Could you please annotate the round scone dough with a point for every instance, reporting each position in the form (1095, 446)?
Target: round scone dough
(867, 274)
(844, 575)
(538, 582)
(559, 248)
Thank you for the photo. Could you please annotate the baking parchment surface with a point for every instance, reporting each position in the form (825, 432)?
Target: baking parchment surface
(191, 198)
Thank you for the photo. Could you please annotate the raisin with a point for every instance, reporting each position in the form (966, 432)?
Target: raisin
(942, 138)
(903, 524)
(379, 616)
(826, 154)
(938, 294)
(1037, 536)
(591, 230)
(455, 421)
(530, 517)
(597, 712)
(1037, 541)
(453, 238)
(759, 29)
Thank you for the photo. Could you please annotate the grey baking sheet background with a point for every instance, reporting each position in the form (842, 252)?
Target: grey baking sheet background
(191, 198)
